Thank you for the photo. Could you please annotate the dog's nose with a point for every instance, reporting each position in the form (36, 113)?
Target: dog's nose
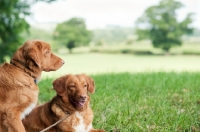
(83, 97)
(62, 62)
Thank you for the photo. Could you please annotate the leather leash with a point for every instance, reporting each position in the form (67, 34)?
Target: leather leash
(44, 130)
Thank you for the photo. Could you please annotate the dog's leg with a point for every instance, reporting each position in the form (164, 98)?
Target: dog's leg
(2, 127)
(12, 121)
(0, 123)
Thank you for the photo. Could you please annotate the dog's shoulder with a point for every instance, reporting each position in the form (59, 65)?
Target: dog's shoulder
(12, 77)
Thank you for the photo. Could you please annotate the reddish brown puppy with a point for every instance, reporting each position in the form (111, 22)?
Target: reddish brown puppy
(18, 82)
(72, 100)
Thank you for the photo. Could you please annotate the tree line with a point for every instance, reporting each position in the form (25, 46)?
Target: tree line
(159, 24)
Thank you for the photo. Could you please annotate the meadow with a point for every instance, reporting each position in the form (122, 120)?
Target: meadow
(97, 63)
(113, 59)
(142, 102)
(137, 93)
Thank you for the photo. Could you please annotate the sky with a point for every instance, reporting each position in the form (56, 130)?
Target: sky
(101, 13)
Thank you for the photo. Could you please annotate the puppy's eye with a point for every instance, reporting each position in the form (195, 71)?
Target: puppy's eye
(85, 85)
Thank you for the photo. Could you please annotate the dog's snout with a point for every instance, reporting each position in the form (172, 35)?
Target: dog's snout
(62, 62)
(83, 96)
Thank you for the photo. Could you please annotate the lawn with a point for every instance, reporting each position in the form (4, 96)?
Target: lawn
(137, 93)
(142, 102)
(96, 63)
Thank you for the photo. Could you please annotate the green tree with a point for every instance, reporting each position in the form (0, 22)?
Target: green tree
(72, 33)
(112, 34)
(159, 24)
(12, 24)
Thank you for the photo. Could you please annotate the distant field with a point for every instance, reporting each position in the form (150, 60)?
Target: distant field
(142, 102)
(95, 63)
(137, 93)
(192, 47)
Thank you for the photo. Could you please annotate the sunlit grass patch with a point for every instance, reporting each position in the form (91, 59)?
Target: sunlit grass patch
(137, 102)
(116, 63)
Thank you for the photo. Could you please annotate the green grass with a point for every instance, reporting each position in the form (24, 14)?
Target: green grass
(95, 63)
(142, 102)
(137, 93)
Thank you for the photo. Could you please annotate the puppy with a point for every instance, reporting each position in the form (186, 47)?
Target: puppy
(18, 82)
(72, 100)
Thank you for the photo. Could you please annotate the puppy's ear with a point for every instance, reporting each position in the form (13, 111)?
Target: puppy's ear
(91, 85)
(59, 85)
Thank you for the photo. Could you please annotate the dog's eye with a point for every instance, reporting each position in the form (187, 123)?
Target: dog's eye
(47, 52)
(85, 85)
(71, 86)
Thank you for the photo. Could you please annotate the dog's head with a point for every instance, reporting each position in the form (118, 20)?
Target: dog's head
(37, 54)
(74, 89)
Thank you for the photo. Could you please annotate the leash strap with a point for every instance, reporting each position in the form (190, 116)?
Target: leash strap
(44, 130)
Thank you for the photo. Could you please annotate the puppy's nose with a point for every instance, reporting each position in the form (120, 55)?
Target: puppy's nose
(83, 97)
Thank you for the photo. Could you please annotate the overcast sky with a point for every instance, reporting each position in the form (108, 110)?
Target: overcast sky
(100, 13)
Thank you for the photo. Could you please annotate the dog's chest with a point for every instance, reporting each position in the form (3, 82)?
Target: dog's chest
(27, 110)
(81, 127)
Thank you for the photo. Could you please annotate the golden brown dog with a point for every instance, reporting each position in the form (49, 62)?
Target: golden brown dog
(72, 100)
(18, 82)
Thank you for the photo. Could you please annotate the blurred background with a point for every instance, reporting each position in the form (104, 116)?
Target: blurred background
(98, 36)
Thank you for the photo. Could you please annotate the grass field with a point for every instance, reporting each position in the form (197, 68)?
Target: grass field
(137, 93)
(96, 63)
(143, 102)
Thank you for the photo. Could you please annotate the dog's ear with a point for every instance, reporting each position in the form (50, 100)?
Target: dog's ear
(91, 85)
(33, 52)
(18, 55)
(59, 85)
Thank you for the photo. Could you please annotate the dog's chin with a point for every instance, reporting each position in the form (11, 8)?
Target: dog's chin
(48, 70)
(79, 104)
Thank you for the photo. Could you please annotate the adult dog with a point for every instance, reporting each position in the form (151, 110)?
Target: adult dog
(72, 101)
(18, 82)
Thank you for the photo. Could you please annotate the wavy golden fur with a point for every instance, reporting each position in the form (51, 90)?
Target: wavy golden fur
(18, 82)
(72, 98)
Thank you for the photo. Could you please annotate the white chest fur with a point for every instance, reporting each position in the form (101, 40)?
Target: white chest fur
(27, 111)
(81, 127)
